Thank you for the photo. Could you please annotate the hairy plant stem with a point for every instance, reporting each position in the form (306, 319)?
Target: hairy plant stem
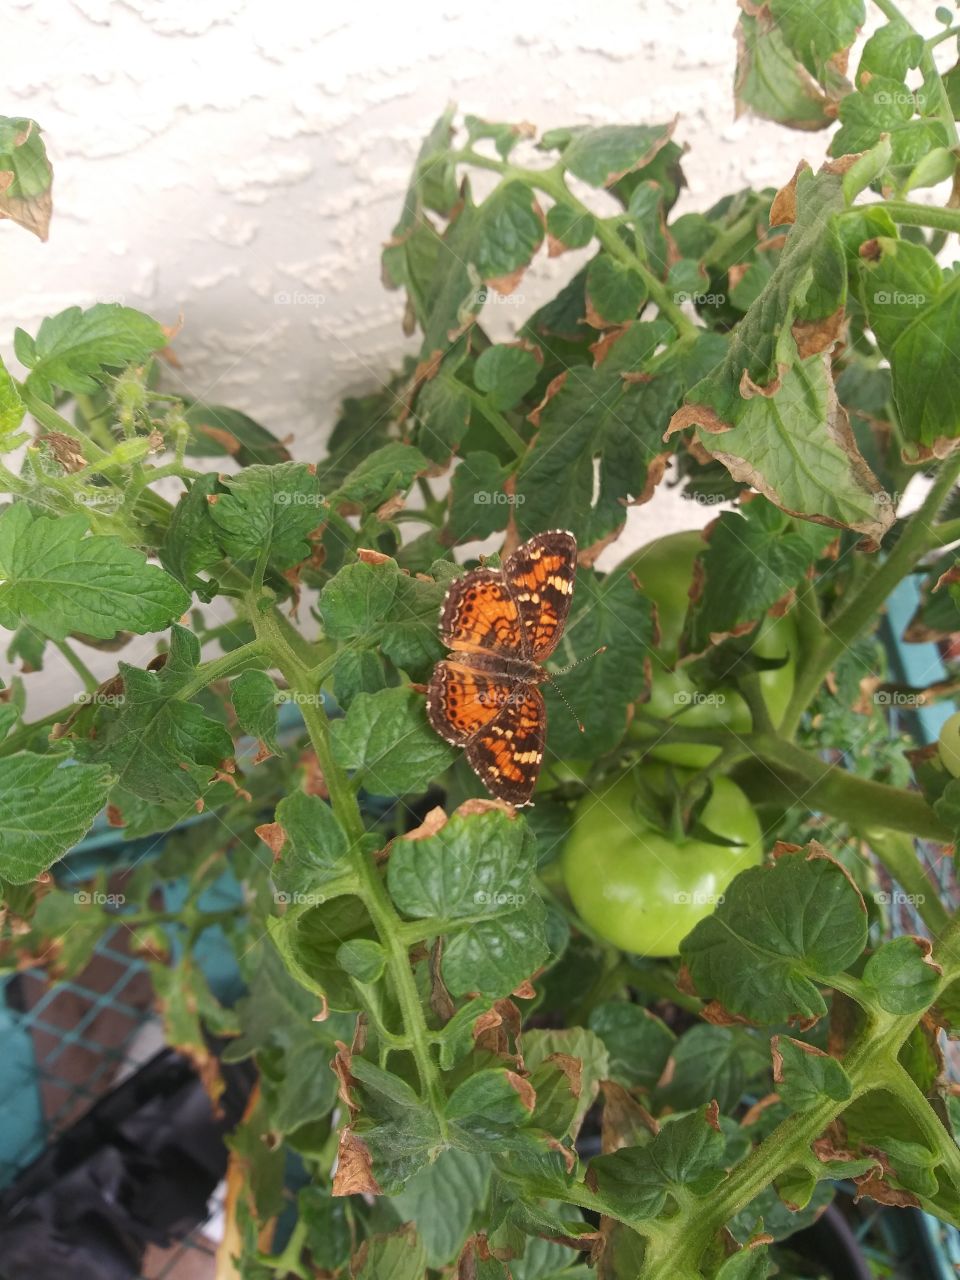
(843, 628)
(370, 885)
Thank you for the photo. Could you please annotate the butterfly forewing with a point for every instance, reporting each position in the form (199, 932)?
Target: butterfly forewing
(541, 575)
(480, 613)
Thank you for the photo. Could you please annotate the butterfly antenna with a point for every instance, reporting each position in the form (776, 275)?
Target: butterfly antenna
(562, 672)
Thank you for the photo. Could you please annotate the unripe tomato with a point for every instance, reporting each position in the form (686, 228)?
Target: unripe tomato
(635, 886)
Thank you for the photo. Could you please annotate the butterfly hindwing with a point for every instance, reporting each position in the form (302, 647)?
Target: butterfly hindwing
(461, 701)
(507, 753)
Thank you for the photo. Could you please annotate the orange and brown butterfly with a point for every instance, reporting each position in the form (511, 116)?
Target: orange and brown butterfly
(500, 626)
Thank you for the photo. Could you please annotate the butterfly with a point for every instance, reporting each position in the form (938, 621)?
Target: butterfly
(500, 625)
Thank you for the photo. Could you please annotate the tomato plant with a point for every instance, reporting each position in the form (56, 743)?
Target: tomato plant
(514, 1090)
(643, 887)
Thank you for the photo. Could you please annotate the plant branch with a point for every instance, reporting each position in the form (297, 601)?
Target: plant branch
(843, 628)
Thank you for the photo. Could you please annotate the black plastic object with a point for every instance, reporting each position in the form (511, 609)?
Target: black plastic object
(138, 1168)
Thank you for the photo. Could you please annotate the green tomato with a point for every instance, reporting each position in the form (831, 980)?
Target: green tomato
(950, 744)
(664, 570)
(636, 887)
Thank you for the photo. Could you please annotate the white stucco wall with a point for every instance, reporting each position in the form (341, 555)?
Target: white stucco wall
(210, 155)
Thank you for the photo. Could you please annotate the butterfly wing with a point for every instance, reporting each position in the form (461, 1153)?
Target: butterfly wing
(461, 701)
(541, 575)
(506, 754)
(479, 613)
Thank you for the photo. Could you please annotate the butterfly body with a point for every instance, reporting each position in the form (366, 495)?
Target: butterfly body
(500, 625)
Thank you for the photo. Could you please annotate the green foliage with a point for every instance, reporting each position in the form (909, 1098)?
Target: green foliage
(791, 354)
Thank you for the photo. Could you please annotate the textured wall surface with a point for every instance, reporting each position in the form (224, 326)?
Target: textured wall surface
(241, 162)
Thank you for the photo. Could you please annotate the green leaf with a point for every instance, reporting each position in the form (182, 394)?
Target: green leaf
(217, 431)
(615, 412)
(915, 316)
(479, 504)
(399, 1131)
(25, 175)
(508, 232)
(190, 544)
(781, 930)
(408, 637)
(603, 155)
(381, 475)
(268, 511)
(771, 81)
(313, 849)
(506, 373)
(46, 806)
(614, 612)
(486, 1103)
(163, 749)
(363, 959)
(328, 1231)
(754, 558)
(442, 1200)
(442, 413)
(569, 228)
(400, 1256)
(77, 350)
(309, 939)
(901, 976)
(687, 1153)
(477, 870)
(638, 1043)
(817, 30)
(386, 738)
(12, 407)
(769, 412)
(254, 697)
(710, 1063)
(357, 671)
(58, 581)
(752, 1263)
(804, 1075)
(615, 291)
(575, 1042)
(354, 603)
